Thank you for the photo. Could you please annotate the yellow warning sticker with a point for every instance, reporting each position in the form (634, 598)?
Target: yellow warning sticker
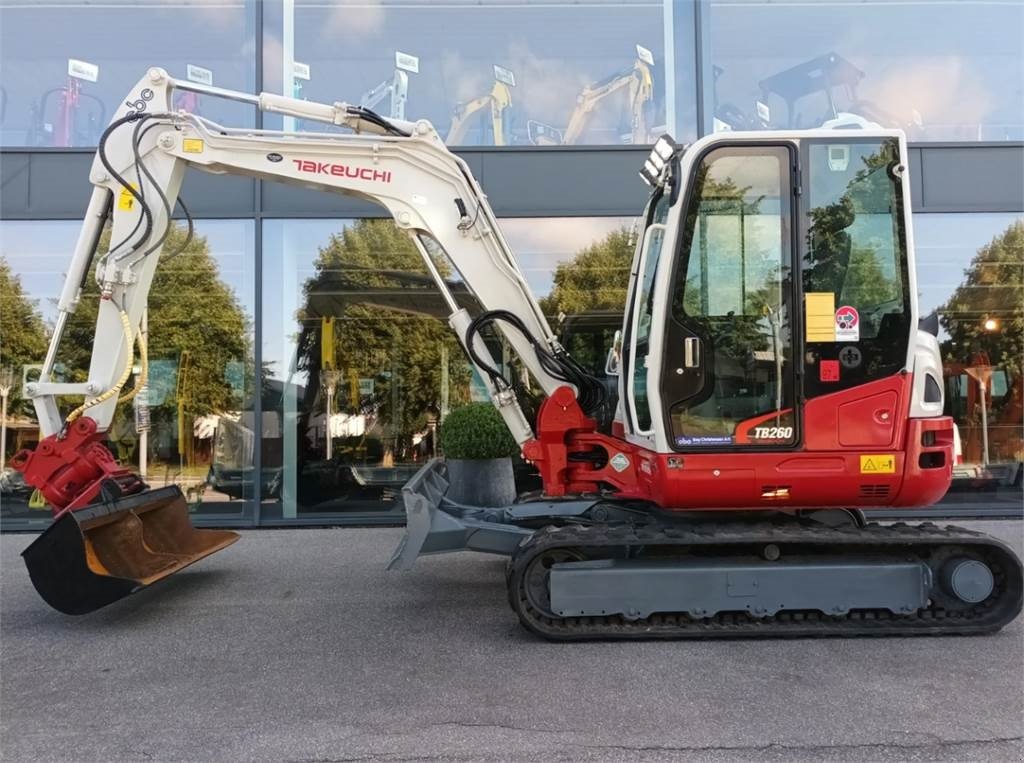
(192, 145)
(126, 201)
(883, 464)
(820, 316)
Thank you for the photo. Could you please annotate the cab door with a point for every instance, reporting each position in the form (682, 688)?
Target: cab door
(728, 378)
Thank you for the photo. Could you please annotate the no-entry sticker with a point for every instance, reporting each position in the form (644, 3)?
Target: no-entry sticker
(847, 324)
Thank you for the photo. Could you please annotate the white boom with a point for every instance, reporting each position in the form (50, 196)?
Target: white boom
(403, 166)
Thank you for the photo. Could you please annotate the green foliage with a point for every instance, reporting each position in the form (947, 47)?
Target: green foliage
(190, 309)
(866, 284)
(23, 334)
(595, 279)
(993, 287)
(476, 431)
(388, 328)
(732, 280)
(833, 263)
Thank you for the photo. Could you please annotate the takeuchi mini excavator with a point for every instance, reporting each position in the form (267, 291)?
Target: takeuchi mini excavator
(773, 383)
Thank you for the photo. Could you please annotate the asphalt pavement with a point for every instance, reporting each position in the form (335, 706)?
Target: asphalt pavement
(297, 645)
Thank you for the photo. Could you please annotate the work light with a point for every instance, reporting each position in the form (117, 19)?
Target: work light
(654, 166)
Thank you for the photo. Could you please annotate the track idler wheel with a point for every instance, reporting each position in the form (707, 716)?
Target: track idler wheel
(969, 580)
(537, 581)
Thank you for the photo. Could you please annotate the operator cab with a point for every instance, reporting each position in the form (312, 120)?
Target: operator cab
(772, 271)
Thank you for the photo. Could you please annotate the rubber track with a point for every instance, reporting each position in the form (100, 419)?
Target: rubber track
(901, 541)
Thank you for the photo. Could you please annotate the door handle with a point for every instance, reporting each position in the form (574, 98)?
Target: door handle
(691, 352)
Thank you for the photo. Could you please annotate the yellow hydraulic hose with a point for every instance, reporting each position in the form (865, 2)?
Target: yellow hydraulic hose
(144, 372)
(102, 398)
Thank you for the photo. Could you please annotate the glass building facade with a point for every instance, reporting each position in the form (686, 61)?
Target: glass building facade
(301, 361)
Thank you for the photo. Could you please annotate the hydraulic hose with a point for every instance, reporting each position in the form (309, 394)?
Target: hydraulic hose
(126, 374)
(590, 392)
(143, 375)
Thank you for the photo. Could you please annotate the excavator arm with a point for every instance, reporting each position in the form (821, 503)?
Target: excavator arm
(402, 166)
(637, 79)
(498, 100)
(396, 88)
(112, 535)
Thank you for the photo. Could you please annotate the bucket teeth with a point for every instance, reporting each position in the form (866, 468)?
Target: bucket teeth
(96, 555)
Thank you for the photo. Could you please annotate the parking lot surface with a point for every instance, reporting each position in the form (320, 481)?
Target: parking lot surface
(296, 645)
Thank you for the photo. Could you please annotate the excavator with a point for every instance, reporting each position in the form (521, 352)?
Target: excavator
(498, 101)
(639, 83)
(75, 120)
(773, 384)
(395, 89)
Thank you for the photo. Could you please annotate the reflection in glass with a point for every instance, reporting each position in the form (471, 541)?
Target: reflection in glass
(854, 246)
(346, 425)
(361, 365)
(654, 239)
(971, 280)
(579, 268)
(980, 324)
(194, 426)
(854, 264)
(491, 73)
(67, 65)
(939, 70)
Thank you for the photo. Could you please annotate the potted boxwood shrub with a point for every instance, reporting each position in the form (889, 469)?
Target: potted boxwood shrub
(478, 449)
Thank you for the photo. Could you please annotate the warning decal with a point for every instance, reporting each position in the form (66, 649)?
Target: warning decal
(880, 464)
(847, 324)
(828, 371)
(126, 201)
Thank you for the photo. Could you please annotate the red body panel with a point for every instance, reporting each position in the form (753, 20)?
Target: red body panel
(906, 462)
(72, 471)
(909, 462)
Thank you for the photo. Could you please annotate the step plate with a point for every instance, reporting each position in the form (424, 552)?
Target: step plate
(637, 589)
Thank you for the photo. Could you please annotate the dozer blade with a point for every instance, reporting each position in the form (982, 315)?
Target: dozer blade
(435, 525)
(94, 556)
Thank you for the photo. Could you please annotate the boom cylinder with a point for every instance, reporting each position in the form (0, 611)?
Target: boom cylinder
(85, 248)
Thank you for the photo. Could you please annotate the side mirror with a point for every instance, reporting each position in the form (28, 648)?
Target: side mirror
(613, 361)
(930, 323)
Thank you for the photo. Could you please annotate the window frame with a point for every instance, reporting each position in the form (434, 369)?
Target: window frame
(680, 261)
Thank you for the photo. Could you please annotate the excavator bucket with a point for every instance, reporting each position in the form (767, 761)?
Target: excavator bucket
(95, 555)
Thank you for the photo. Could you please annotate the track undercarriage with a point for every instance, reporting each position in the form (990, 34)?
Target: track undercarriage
(590, 569)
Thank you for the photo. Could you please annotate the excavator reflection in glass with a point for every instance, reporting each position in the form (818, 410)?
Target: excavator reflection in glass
(638, 83)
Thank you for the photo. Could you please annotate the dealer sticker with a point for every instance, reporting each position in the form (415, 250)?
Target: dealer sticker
(847, 324)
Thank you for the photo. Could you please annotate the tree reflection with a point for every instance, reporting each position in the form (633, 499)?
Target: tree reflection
(23, 333)
(397, 359)
(200, 351)
(984, 321)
